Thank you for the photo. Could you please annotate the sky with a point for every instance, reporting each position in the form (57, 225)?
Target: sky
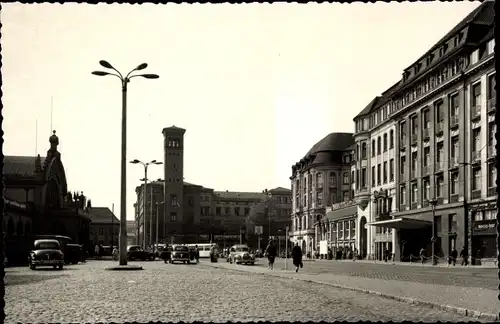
(255, 86)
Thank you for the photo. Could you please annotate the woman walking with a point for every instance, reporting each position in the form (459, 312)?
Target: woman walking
(297, 257)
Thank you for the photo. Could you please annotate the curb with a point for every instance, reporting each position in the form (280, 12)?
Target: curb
(447, 308)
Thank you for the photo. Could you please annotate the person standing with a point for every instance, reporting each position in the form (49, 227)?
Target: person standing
(271, 254)
(422, 255)
(96, 252)
(464, 256)
(297, 257)
(197, 254)
(453, 257)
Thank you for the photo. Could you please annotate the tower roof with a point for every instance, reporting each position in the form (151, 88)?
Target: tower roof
(174, 129)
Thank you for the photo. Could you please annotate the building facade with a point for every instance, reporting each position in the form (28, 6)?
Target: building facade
(439, 120)
(104, 227)
(321, 178)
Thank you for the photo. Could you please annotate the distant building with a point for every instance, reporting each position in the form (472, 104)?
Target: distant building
(37, 202)
(131, 232)
(193, 213)
(104, 227)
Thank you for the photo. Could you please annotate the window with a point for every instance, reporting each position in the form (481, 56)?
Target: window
(379, 145)
(455, 150)
(345, 178)
(414, 162)
(363, 178)
(476, 94)
(454, 105)
(426, 118)
(476, 179)
(333, 196)
(476, 141)
(385, 172)
(173, 217)
(345, 196)
(363, 151)
(190, 201)
(427, 156)
(391, 170)
(490, 214)
(438, 107)
(373, 176)
(374, 151)
(379, 178)
(439, 153)
(402, 164)
(414, 125)
(452, 223)
(492, 129)
(492, 175)
(492, 93)
(391, 139)
(217, 211)
(402, 195)
(227, 210)
(385, 142)
(333, 179)
(357, 152)
(173, 200)
(427, 189)
(414, 193)
(319, 198)
(237, 211)
(402, 129)
(454, 183)
(319, 180)
(439, 186)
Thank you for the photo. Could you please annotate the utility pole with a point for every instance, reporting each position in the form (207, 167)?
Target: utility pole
(433, 203)
(151, 218)
(286, 248)
(112, 225)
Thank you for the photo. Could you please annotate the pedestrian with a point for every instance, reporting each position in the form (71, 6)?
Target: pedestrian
(96, 252)
(386, 255)
(422, 255)
(297, 257)
(453, 257)
(197, 254)
(271, 254)
(101, 250)
(115, 253)
(464, 256)
(355, 254)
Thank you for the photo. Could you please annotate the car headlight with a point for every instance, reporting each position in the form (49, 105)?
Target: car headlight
(33, 256)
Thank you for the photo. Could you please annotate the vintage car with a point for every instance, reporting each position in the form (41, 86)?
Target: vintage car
(180, 253)
(74, 254)
(240, 254)
(165, 253)
(136, 252)
(46, 253)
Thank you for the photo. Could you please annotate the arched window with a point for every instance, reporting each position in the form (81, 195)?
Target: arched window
(319, 180)
(363, 150)
(333, 180)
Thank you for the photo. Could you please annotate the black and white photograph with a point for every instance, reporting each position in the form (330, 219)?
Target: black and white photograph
(218, 162)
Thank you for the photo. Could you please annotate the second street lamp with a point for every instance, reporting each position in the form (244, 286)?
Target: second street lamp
(123, 185)
(144, 200)
(433, 203)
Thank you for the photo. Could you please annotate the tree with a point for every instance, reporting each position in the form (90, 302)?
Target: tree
(260, 214)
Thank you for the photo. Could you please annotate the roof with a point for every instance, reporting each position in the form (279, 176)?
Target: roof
(191, 184)
(103, 215)
(236, 195)
(20, 165)
(173, 128)
(280, 189)
(332, 142)
(368, 108)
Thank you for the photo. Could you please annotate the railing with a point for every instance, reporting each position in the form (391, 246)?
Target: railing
(476, 194)
(475, 112)
(453, 121)
(425, 133)
(492, 191)
(439, 127)
(491, 104)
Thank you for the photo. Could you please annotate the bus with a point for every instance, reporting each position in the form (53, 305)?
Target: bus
(204, 248)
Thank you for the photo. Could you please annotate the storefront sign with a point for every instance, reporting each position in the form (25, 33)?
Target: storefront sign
(485, 227)
(342, 204)
(489, 206)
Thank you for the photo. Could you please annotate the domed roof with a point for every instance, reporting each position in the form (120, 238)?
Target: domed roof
(54, 139)
(332, 142)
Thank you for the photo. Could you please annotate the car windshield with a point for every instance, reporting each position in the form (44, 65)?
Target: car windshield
(47, 246)
(241, 249)
(181, 248)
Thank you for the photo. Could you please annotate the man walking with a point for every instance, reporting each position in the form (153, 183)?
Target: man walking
(271, 254)
(453, 257)
(297, 257)
(464, 256)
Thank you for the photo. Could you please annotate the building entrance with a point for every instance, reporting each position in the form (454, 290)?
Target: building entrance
(412, 240)
(363, 241)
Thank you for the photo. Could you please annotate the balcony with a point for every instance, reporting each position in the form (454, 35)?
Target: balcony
(453, 121)
(492, 152)
(454, 161)
(414, 139)
(476, 194)
(475, 113)
(426, 170)
(439, 127)
(475, 157)
(425, 134)
(492, 191)
(492, 104)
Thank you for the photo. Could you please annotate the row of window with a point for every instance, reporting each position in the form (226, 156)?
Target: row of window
(384, 173)
(332, 183)
(174, 142)
(338, 230)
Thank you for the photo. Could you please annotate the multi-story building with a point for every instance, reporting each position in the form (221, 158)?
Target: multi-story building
(104, 227)
(131, 232)
(193, 213)
(441, 118)
(318, 181)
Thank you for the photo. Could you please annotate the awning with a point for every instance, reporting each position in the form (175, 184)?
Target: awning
(402, 223)
(342, 213)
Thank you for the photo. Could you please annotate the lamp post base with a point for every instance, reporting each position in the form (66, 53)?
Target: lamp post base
(124, 268)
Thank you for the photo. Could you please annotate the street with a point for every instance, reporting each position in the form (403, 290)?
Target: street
(165, 292)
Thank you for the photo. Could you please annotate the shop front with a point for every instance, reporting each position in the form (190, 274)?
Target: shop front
(484, 235)
(342, 219)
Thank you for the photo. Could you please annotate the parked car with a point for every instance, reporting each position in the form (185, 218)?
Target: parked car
(180, 253)
(136, 252)
(240, 254)
(74, 254)
(46, 253)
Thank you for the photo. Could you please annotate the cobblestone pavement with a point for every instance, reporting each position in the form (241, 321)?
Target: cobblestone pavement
(164, 292)
(452, 276)
(371, 278)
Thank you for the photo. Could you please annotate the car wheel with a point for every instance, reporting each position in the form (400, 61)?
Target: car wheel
(152, 258)
(55, 267)
(166, 261)
(32, 266)
(188, 262)
(60, 267)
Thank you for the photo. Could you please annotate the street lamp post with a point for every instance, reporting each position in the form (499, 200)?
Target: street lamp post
(433, 203)
(123, 185)
(144, 200)
(286, 248)
(158, 203)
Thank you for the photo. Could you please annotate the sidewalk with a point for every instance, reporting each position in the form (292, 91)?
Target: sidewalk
(414, 264)
(475, 302)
